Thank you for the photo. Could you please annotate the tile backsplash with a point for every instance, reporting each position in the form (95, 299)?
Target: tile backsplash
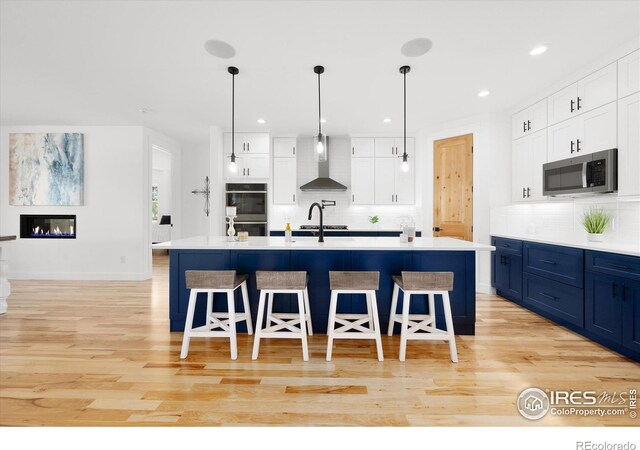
(562, 219)
(344, 213)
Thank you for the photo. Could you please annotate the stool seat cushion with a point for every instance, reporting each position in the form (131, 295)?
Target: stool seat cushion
(424, 281)
(294, 280)
(354, 281)
(214, 279)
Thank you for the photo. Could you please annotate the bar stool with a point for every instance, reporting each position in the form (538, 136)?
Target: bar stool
(287, 325)
(211, 282)
(352, 324)
(423, 326)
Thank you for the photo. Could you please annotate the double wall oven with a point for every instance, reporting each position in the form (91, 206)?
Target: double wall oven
(250, 200)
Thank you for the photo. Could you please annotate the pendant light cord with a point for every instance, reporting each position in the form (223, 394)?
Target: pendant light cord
(319, 109)
(404, 153)
(233, 114)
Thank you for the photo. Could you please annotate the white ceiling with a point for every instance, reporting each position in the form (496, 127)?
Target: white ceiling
(97, 63)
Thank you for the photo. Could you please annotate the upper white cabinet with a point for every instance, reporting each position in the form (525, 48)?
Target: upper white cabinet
(392, 147)
(284, 181)
(247, 167)
(362, 147)
(247, 143)
(284, 147)
(629, 74)
(629, 145)
(529, 154)
(531, 120)
(589, 93)
(587, 133)
(362, 181)
(393, 186)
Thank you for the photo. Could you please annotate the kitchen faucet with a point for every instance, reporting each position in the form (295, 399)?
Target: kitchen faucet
(320, 208)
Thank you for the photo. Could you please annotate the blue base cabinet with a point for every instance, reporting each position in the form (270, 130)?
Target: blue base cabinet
(596, 294)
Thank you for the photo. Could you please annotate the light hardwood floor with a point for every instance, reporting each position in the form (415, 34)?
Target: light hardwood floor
(99, 353)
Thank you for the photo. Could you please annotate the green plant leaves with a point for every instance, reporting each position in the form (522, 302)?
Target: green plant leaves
(595, 220)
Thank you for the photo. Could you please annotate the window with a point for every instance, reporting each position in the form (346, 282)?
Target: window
(154, 203)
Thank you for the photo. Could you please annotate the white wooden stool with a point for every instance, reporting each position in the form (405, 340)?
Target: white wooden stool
(423, 326)
(352, 324)
(211, 282)
(287, 325)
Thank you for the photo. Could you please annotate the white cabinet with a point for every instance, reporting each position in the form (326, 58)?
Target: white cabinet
(284, 147)
(247, 143)
(532, 119)
(362, 181)
(629, 145)
(587, 133)
(284, 181)
(392, 147)
(587, 94)
(529, 154)
(629, 74)
(405, 183)
(393, 186)
(362, 147)
(248, 167)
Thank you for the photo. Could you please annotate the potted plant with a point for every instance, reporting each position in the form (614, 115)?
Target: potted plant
(595, 221)
(373, 220)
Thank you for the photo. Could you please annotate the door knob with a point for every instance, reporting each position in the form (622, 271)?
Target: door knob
(436, 229)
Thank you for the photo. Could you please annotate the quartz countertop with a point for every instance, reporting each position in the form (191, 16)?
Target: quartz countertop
(330, 243)
(610, 247)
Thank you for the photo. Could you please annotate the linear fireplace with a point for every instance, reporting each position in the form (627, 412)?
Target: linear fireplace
(47, 226)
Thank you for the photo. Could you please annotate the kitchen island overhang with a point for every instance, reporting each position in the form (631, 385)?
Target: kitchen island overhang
(386, 255)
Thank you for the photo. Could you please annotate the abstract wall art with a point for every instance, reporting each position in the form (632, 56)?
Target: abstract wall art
(46, 169)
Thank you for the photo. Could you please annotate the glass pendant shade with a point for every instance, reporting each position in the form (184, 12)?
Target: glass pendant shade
(233, 167)
(320, 146)
(405, 163)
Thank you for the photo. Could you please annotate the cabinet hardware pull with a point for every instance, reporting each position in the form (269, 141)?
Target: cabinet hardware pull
(247, 146)
(548, 296)
(613, 289)
(577, 145)
(528, 125)
(243, 146)
(624, 292)
(244, 172)
(506, 245)
(523, 192)
(294, 197)
(294, 150)
(578, 104)
(572, 144)
(501, 259)
(248, 171)
(528, 193)
(553, 263)
(353, 197)
(618, 266)
(353, 150)
(572, 107)
(524, 126)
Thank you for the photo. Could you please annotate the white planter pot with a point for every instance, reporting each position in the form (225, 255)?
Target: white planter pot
(595, 237)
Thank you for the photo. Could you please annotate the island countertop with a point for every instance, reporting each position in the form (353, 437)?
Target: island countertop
(330, 243)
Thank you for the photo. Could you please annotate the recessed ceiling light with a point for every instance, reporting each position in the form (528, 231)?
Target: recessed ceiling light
(323, 120)
(219, 49)
(262, 121)
(145, 110)
(483, 93)
(539, 50)
(386, 120)
(416, 47)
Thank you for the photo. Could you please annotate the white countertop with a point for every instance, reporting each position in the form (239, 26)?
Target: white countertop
(621, 248)
(330, 243)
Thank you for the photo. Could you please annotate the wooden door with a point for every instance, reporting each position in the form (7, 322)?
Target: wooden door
(453, 187)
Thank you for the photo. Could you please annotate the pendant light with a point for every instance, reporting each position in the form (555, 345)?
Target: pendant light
(404, 70)
(321, 141)
(232, 164)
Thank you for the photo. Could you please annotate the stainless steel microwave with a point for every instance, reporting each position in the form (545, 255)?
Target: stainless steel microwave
(588, 174)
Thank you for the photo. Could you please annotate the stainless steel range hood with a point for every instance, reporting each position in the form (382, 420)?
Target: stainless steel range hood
(323, 182)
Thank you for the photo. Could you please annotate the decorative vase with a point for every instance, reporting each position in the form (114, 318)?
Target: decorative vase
(595, 237)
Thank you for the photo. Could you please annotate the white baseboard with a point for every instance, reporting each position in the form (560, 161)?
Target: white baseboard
(80, 276)
(485, 289)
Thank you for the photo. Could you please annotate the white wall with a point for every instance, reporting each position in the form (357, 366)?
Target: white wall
(112, 230)
(195, 167)
(161, 176)
(216, 218)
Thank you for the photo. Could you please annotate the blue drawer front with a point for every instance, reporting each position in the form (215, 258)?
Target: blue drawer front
(507, 245)
(556, 299)
(557, 263)
(613, 264)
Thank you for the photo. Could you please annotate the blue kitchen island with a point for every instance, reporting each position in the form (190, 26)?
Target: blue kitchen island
(383, 254)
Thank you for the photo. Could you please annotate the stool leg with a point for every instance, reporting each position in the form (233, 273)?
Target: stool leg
(269, 307)
(432, 308)
(405, 324)
(232, 324)
(256, 338)
(373, 301)
(209, 307)
(303, 326)
(332, 321)
(308, 311)
(449, 321)
(392, 313)
(247, 310)
(188, 324)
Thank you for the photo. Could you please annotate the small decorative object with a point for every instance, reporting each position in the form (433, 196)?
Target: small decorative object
(595, 221)
(231, 231)
(206, 192)
(410, 232)
(374, 219)
(243, 236)
(46, 169)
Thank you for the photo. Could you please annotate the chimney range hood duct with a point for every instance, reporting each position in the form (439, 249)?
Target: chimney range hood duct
(323, 182)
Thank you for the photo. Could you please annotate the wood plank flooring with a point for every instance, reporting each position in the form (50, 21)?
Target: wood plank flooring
(99, 353)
